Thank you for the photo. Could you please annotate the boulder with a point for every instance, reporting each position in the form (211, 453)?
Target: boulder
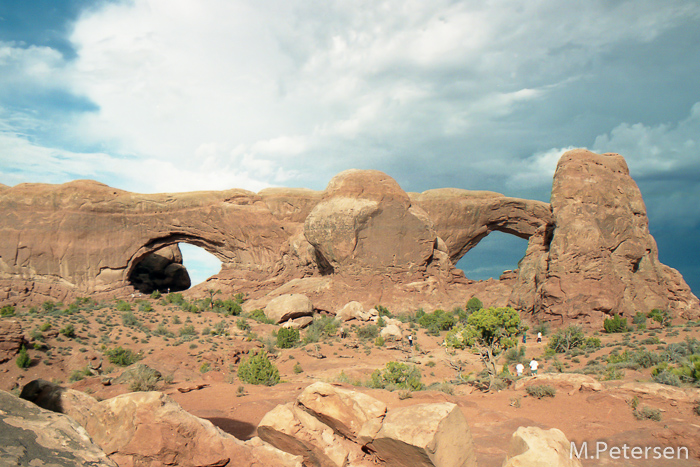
(11, 339)
(298, 323)
(51, 396)
(150, 429)
(391, 332)
(288, 306)
(534, 447)
(425, 435)
(366, 222)
(34, 436)
(569, 382)
(353, 414)
(351, 310)
(161, 270)
(291, 429)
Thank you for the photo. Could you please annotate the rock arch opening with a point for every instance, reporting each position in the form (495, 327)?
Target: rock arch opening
(494, 254)
(200, 264)
(172, 264)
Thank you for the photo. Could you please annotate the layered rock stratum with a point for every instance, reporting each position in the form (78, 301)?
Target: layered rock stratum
(589, 255)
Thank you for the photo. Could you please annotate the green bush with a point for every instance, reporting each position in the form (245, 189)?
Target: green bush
(156, 294)
(228, 307)
(541, 390)
(287, 338)
(7, 310)
(144, 378)
(258, 369)
(123, 306)
(161, 330)
(397, 376)
(242, 324)
(259, 316)
(566, 339)
(383, 311)
(371, 331)
(322, 327)
(615, 324)
(45, 327)
(187, 331)
(662, 317)
(122, 357)
(128, 319)
(666, 377)
(23, 359)
(474, 304)
(79, 375)
(592, 343)
(515, 355)
(175, 299)
(379, 341)
(48, 306)
(68, 330)
(297, 368)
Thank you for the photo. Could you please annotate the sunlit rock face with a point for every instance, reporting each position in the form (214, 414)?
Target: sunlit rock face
(363, 238)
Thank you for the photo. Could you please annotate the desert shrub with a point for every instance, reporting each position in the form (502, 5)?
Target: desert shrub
(666, 377)
(370, 331)
(697, 408)
(145, 307)
(121, 356)
(287, 338)
(187, 331)
(259, 316)
(383, 311)
(566, 339)
(175, 299)
(205, 367)
(297, 368)
(515, 355)
(541, 390)
(228, 307)
(144, 378)
(662, 317)
(320, 328)
(123, 306)
(379, 341)
(473, 304)
(397, 376)
(48, 306)
(242, 324)
(7, 310)
(646, 359)
(128, 319)
(79, 375)
(542, 327)
(161, 330)
(647, 413)
(438, 320)
(45, 327)
(615, 324)
(68, 330)
(592, 343)
(23, 359)
(639, 318)
(156, 294)
(258, 369)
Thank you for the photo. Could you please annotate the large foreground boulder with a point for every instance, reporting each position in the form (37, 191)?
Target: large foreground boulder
(34, 436)
(534, 447)
(149, 429)
(425, 435)
(353, 414)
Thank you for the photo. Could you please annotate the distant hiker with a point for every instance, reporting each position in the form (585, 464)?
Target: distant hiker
(524, 338)
(519, 368)
(533, 366)
(410, 340)
(539, 337)
(342, 333)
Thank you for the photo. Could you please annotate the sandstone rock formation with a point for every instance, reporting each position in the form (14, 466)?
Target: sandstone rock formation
(334, 427)
(150, 429)
(533, 447)
(589, 252)
(598, 257)
(11, 339)
(425, 435)
(288, 306)
(34, 436)
(162, 270)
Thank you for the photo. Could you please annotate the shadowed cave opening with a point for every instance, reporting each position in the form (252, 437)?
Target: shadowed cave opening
(174, 268)
(495, 253)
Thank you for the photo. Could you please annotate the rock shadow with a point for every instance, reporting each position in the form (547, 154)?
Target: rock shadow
(241, 430)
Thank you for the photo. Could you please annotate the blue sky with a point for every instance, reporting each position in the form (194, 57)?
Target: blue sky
(180, 95)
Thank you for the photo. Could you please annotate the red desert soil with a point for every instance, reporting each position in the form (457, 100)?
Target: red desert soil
(237, 408)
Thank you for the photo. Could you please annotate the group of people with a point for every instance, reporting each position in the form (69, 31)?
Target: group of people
(534, 364)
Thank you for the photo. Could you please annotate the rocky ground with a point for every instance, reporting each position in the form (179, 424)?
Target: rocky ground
(198, 354)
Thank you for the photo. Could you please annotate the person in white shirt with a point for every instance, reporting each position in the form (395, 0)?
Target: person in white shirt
(519, 368)
(539, 337)
(533, 366)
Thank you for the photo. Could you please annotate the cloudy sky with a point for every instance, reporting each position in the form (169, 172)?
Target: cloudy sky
(180, 95)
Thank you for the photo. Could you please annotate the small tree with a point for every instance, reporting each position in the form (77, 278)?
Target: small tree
(615, 324)
(490, 331)
(473, 305)
(23, 359)
(258, 369)
(567, 339)
(287, 338)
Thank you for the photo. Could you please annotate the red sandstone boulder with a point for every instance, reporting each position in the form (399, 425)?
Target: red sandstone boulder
(534, 447)
(11, 339)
